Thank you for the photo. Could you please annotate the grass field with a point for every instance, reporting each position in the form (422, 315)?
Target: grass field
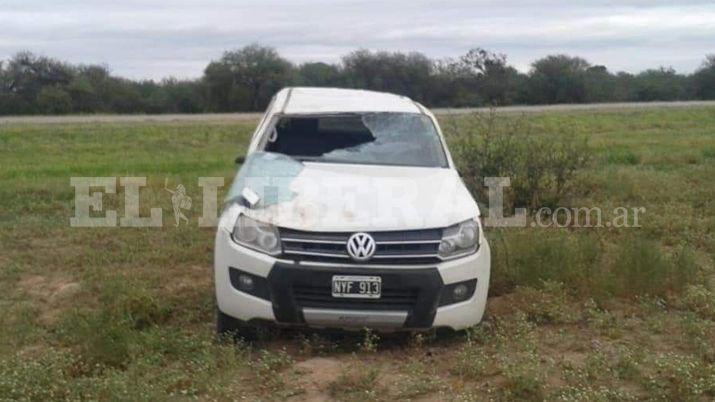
(576, 314)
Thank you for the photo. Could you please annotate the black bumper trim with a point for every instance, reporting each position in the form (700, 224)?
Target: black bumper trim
(416, 291)
(260, 285)
(447, 296)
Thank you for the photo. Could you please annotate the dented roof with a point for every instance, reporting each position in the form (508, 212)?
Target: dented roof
(308, 100)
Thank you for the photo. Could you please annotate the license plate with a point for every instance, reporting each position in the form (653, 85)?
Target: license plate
(359, 287)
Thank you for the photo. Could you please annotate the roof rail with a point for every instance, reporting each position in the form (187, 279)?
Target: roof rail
(285, 104)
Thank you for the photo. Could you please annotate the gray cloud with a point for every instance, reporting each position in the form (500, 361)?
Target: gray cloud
(155, 39)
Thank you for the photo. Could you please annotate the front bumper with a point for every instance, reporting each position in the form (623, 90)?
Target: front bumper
(299, 293)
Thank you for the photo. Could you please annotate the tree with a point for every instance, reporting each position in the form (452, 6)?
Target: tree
(255, 70)
(218, 82)
(558, 79)
(599, 84)
(704, 79)
(10, 102)
(4, 79)
(91, 89)
(245, 79)
(83, 95)
(54, 100)
(659, 84)
(182, 96)
(624, 87)
(318, 75)
(122, 96)
(481, 77)
(26, 75)
(404, 74)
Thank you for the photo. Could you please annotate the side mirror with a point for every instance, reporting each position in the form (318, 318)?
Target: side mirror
(240, 159)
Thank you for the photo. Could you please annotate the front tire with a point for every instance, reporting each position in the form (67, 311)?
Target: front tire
(234, 328)
(225, 324)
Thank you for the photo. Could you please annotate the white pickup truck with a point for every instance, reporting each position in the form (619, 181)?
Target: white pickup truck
(348, 213)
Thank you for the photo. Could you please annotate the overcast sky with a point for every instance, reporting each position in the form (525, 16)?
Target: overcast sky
(154, 39)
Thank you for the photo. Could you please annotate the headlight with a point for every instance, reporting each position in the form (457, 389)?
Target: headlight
(460, 239)
(256, 235)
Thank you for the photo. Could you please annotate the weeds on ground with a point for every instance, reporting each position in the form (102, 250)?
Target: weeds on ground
(594, 378)
(266, 369)
(699, 335)
(105, 335)
(679, 377)
(356, 384)
(472, 362)
(633, 267)
(549, 303)
(42, 378)
(140, 326)
(601, 319)
(700, 300)
(524, 376)
(621, 156)
(316, 345)
(369, 341)
(591, 393)
(194, 367)
(641, 268)
(628, 363)
(555, 256)
(593, 369)
(420, 380)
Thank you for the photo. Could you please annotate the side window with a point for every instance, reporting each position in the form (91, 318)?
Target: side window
(269, 135)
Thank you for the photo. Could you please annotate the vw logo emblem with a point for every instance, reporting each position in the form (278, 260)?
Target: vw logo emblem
(361, 246)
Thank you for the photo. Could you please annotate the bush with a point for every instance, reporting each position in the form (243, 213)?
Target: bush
(700, 300)
(105, 336)
(527, 258)
(541, 168)
(133, 303)
(622, 157)
(641, 268)
(587, 266)
(102, 338)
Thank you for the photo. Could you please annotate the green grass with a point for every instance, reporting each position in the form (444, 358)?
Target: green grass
(126, 313)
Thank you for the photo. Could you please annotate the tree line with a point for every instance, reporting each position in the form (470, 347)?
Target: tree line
(246, 78)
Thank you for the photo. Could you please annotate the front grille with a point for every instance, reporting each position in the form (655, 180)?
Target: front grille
(392, 247)
(321, 297)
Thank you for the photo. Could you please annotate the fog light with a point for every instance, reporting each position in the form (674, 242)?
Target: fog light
(460, 292)
(248, 283)
(245, 282)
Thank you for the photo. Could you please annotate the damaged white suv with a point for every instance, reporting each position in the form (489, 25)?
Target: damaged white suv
(348, 213)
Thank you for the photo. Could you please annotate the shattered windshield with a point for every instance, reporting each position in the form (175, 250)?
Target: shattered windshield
(403, 139)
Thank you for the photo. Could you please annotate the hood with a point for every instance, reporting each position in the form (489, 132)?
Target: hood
(342, 197)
